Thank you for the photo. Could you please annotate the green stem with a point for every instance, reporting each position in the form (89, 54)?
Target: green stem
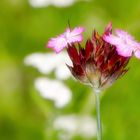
(99, 127)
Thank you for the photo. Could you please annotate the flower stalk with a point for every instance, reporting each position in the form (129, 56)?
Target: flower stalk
(98, 115)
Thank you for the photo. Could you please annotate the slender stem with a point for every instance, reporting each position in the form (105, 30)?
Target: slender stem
(99, 127)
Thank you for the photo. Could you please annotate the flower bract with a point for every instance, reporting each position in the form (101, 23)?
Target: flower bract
(98, 63)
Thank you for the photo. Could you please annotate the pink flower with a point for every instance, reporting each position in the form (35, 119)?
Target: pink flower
(98, 63)
(125, 44)
(68, 37)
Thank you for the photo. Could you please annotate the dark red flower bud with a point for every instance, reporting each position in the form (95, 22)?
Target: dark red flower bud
(98, 64)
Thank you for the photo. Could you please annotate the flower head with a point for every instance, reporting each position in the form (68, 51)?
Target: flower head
(98, 64)
(68, 37)
(125, 44)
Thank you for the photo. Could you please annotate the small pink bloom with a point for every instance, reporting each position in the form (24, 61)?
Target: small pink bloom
(125, 44)
(68, 37)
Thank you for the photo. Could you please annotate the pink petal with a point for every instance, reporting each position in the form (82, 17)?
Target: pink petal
(67, 33)
(122, 34)
(77, 31)
(67, 37)
(71, 33)
(73, 39)
(57, 43)
(74, 35)
(112, 39)
(137, 54)
(125, 43)
(124, 50)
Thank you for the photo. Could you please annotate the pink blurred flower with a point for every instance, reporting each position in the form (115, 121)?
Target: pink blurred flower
(68, 37)
(125, 44)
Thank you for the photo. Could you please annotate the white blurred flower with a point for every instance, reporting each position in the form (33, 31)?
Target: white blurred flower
(57, 3)
(76, 125)
(62, 72)
(62, 3)
(53, 90)
(48, 62)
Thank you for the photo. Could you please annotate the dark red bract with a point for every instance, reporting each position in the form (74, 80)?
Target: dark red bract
(98, 64)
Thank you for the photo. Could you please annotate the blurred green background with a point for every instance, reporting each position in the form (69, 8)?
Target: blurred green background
(25, 29)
